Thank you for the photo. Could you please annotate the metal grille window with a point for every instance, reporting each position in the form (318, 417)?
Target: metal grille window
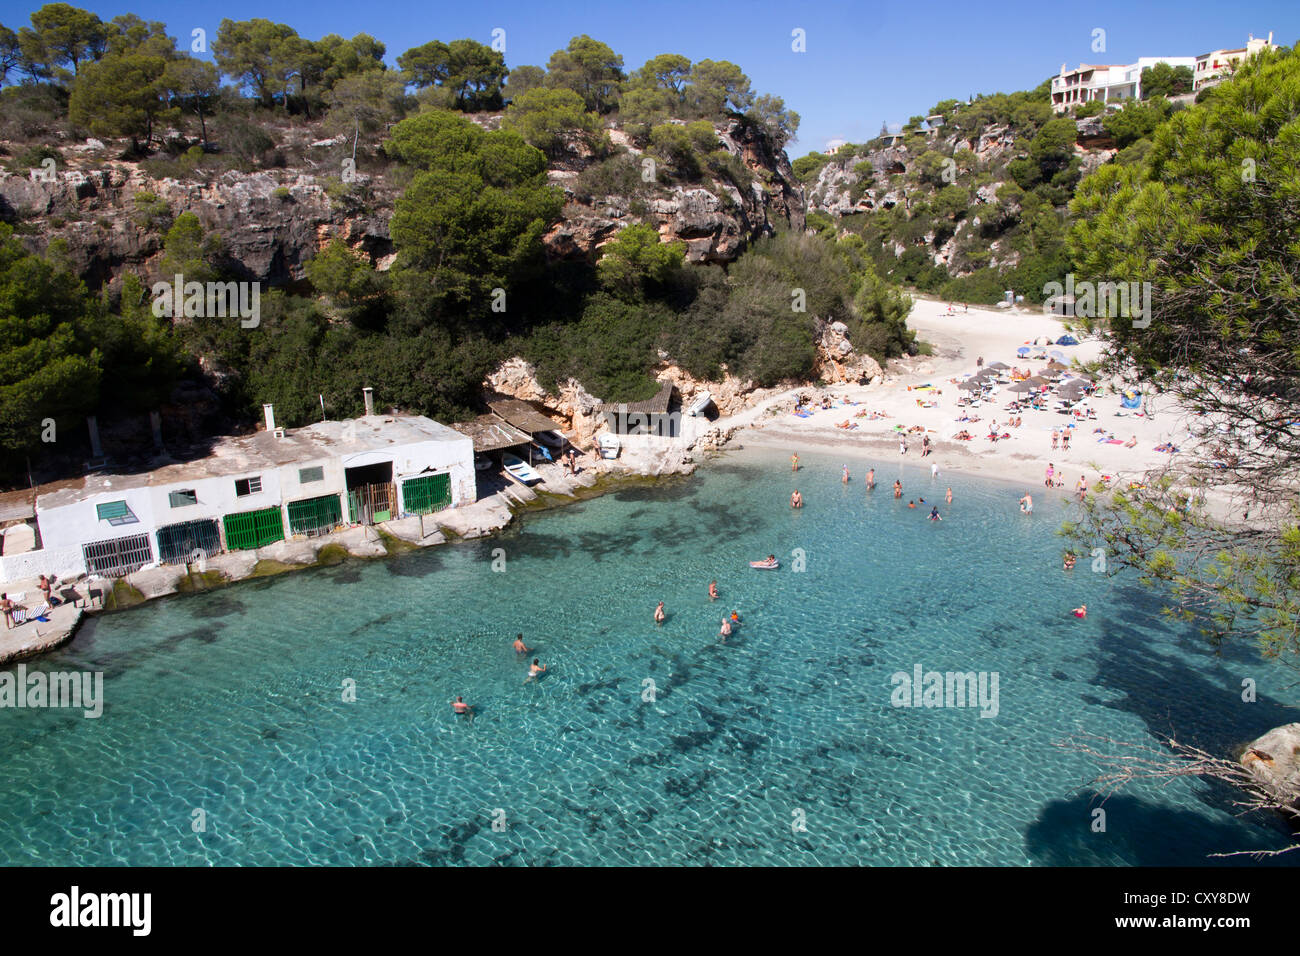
(315, 516)
(183, 498)
(307, 475)
(254, 529)
(248, 486)
(177, 543)
(116, 513)
(118, 556)
(426, 493)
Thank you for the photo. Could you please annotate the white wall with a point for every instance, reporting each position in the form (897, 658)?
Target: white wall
(60, 562)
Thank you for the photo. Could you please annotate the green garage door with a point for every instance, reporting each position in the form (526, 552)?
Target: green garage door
(313, 516)
(254, 529)
(426, 493)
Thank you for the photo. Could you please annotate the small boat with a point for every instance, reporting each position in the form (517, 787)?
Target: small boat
(520, 469)
(699, 405)
(551, 439)
(765, 565)
(482, 462)
(609, 445)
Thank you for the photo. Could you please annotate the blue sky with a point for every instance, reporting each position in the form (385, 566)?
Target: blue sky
(864, 64)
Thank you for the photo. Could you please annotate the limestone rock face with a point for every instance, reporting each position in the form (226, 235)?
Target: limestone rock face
(715, 219)
(838, 362)
(270, 222)
(1274, 760)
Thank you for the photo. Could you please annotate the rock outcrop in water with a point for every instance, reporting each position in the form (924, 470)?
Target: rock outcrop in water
(1274, 760)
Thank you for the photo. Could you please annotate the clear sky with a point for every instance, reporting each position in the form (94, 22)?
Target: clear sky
(865, 62)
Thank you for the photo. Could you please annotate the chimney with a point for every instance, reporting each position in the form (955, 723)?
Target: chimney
(368, 394)
(155, 420)
(269, 412)
(96, 449)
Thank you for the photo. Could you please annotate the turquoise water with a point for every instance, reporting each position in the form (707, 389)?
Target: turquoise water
(232, 703)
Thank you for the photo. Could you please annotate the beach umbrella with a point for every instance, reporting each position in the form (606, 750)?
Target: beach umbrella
(1034, 381)
(1067, 340)
(1058, 355)
(970, 385)
(1021, 387)
(999, 365)
(1023, 351)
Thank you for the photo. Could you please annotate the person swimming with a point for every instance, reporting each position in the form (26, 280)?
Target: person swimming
(660, 616)
(462, 708)
(1068, 563)
(1081, 611)
(911, 504)
(735, 615)
(519, 645)
(535, 669)
(934, 514)
(713, 590)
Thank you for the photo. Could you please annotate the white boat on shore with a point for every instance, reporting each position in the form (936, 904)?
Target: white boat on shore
(699, 405)
(608, 444)
(520, 469)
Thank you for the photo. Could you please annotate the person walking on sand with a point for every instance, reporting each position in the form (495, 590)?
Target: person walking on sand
(535, 669)
(871, 479)
(1056, 437)
(1082, 487)
(1065, 440)
(902, 444)
(660, 616)
(1051, 472)
(713, 590)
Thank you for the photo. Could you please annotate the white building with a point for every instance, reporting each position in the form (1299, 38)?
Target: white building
(250, 492)
(1212, 68)
(1109, 83)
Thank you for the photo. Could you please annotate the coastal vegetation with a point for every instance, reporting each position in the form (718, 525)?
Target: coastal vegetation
(463, 148)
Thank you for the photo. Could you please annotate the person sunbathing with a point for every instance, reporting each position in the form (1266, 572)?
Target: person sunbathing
(1132, 442)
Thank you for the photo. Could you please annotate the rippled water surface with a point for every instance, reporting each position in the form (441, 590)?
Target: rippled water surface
(779, 747)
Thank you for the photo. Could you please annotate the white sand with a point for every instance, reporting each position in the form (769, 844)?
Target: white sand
(958, 341)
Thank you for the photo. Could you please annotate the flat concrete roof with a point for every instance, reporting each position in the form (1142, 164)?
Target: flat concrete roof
(248, 454)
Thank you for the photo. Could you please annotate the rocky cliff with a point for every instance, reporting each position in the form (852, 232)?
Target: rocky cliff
(112, 213)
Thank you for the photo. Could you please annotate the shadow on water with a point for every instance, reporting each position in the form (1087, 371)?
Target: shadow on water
(1062, 836)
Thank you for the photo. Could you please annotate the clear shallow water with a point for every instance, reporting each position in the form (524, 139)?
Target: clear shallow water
(231, 702)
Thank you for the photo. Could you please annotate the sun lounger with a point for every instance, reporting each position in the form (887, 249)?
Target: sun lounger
(21, 615)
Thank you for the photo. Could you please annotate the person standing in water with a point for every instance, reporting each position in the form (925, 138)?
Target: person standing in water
(462, 708)
(1027, 504)
(794, 462)
(845, 479)
(796, 499)
(660, 616)
(713, 590)
(1082, 487)
(1051, 475)
(871, 479)
(949, 496)
(934, 514)
(898, 488)
(535, 669)
(520, 647)
(726, 630)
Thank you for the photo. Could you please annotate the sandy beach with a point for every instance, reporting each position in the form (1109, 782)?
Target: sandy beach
(959, 340)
